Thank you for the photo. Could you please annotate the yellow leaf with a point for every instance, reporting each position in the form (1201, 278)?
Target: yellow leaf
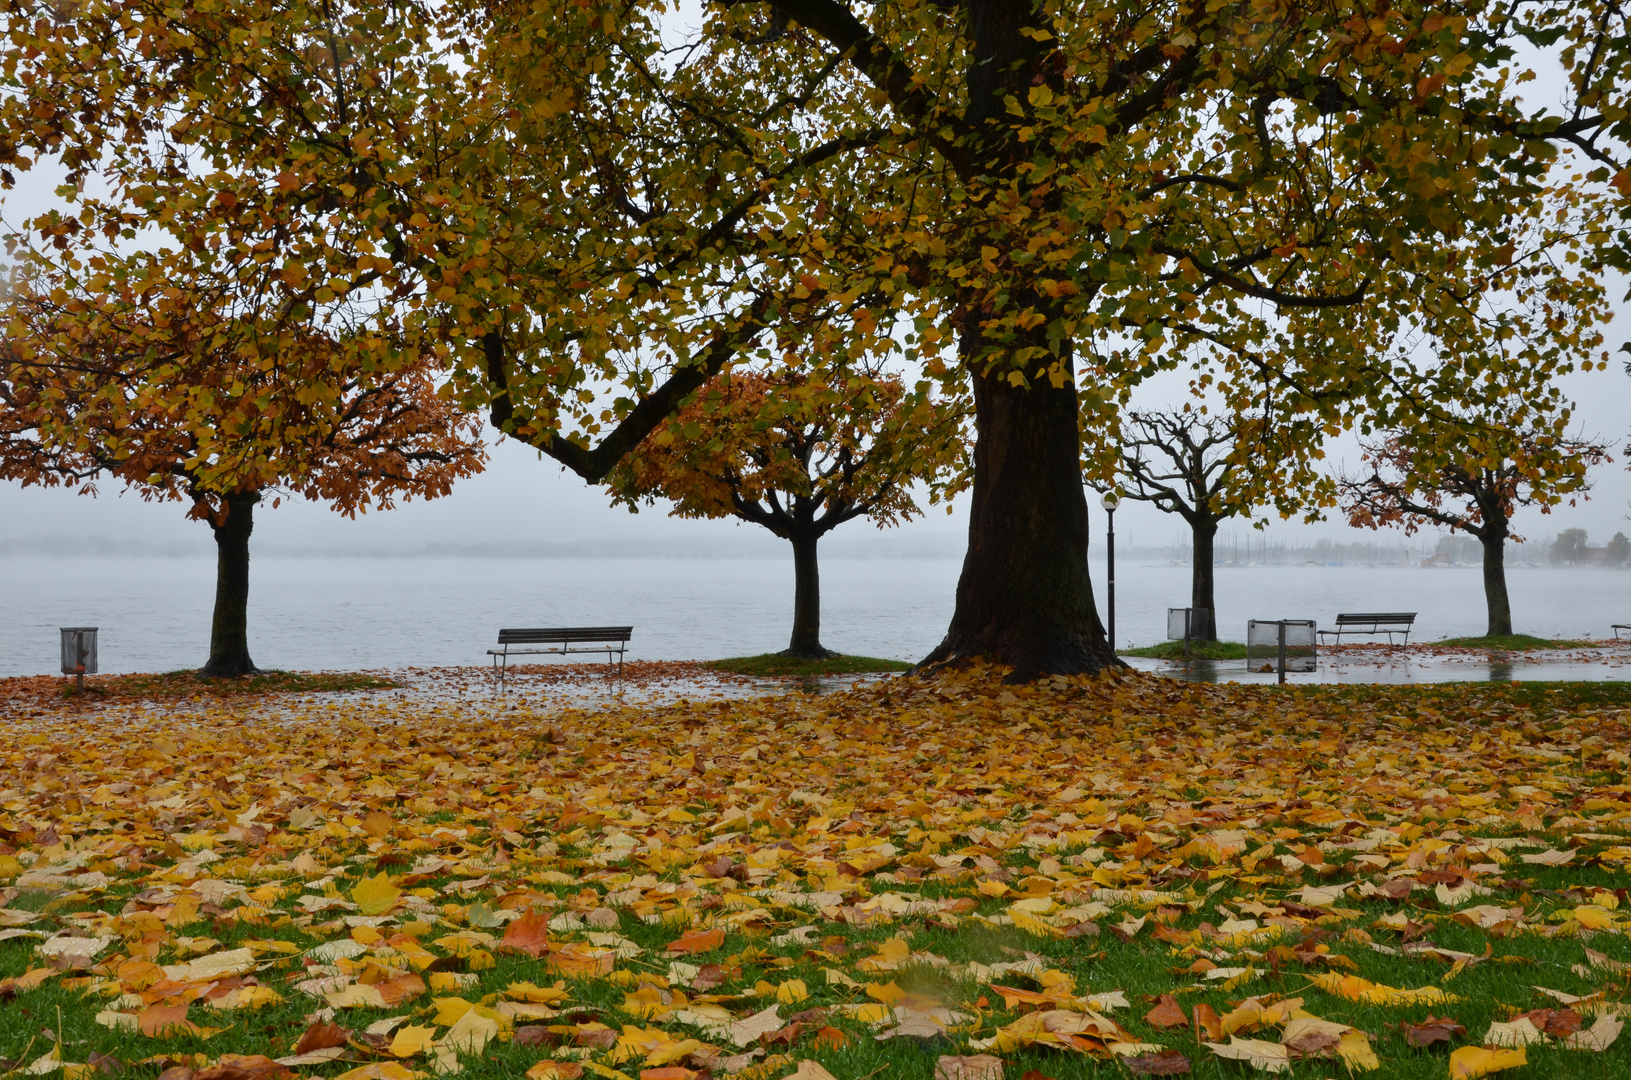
(411, 1040)
(1593, 917)
(1355, 1051)
(538, 995)
(792, 992)
(885, 993)
(379, 1070)
(450, 1011)
(376, 895)
(1471, 1062)
(1354, 988)
(472, 1032)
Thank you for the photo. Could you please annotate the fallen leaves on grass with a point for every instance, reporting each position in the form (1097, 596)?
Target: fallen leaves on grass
(928, 863)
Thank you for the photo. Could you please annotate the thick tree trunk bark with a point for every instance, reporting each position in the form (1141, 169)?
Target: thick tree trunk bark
(806, 639)
(1024, 598)
(229, 633)
(1205, 533)
(1500, 607)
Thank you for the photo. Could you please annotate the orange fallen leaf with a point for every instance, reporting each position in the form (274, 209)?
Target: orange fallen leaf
(697, 941)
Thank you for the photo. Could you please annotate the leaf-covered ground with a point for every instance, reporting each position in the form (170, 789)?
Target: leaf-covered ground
(913, 879)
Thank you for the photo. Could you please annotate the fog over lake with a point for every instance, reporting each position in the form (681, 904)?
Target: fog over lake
(313, 613)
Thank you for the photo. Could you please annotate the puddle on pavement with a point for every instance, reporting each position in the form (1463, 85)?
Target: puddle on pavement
(1402, 666)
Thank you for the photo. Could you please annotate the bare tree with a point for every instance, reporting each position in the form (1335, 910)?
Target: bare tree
(1182, 462)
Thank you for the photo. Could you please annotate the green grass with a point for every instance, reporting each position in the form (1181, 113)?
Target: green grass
(1512, 643)
(1201, 650)
(775, 664)
(189, 683)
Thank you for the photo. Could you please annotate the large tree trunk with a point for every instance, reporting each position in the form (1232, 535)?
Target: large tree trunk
(1205, 533)
(806, 639)
(1500, 607)
(229, 633)
(1024, 598)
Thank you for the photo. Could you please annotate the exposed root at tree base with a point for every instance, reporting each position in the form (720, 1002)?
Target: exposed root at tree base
(817, 653)
(1027, 667)
(235, 671)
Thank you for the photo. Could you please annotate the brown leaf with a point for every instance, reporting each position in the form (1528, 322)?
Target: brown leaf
(1160, 1063)
(811, 1017)
(106, 1064)
(1208, 1023)
(533, 1035)
(708, 976)
(321, 1035)
(176, 1072)
(1167, 1013)
(400, 988)
(245, 1067)
(1434, 1029)
(1558, 1023)
(786, 1036)
(377, 824)
(161, 1021)
(528, 934)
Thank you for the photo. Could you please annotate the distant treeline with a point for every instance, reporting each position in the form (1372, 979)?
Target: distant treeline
(1258, 549)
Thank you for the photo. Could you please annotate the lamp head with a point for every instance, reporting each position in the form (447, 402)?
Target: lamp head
(1110, 500)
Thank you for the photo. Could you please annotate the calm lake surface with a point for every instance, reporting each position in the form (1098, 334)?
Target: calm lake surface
(351, 613)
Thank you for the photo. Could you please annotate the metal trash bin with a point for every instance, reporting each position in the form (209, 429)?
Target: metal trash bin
(1186, 624)
(1282, 645)
(78, 652)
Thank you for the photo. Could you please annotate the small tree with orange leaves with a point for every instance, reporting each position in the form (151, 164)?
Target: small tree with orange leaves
(190, 398)
(1471, 477)
(800, 455)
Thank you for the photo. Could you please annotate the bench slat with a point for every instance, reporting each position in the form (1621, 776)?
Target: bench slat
(1376, 617)
(563, 634)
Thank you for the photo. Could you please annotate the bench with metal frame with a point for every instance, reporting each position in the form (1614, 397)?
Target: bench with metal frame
(1617, 627)
(1374, 622)
(561, 640)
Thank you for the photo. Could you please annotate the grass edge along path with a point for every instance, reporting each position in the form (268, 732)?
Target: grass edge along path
(1511, 643)
(1198, 650)
(188, 683)
(960, 867)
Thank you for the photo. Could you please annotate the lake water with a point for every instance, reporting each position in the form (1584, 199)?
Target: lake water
(351, 613)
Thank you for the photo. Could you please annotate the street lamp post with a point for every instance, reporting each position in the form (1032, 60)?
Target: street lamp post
(1110, 500)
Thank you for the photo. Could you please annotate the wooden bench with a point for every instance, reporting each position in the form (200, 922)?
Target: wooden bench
(1374, 622)
(1617, 627)
(561, 640)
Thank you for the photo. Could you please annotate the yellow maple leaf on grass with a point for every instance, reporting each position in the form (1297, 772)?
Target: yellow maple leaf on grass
(1354, 988)
(1471, 1062)
(376, 895)
(411, 1040)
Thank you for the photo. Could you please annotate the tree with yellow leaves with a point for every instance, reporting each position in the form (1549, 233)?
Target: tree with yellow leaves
(595, 212)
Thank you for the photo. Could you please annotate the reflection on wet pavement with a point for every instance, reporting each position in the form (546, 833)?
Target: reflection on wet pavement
(1418, 664)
